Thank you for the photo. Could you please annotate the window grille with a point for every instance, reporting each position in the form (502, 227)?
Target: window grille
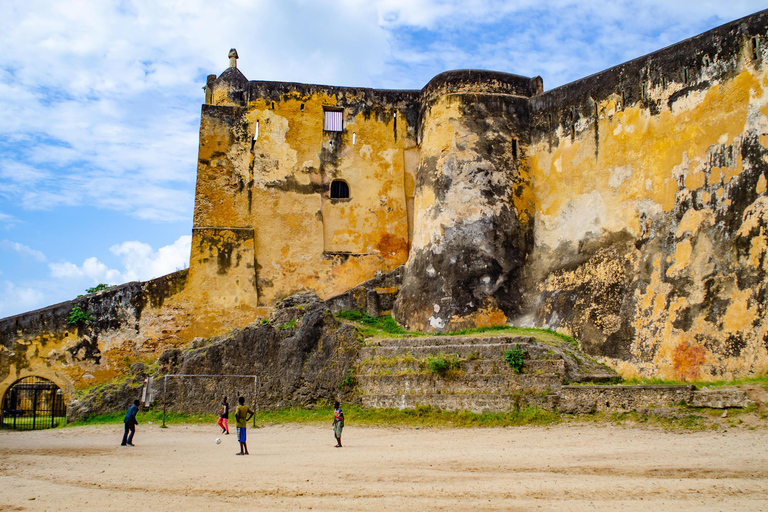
(339, 190)
(333, 120)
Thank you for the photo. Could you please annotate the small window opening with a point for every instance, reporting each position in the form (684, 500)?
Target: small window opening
(753, 44)
(644, 90)
(333, 120)
(302, 107)
(339, 190)
(685, 75)
(573, 131)
(514, 149)
(597, 112)
(354, 137)
(623, 101)
(705, 60)
(256, 131)
(273, 105)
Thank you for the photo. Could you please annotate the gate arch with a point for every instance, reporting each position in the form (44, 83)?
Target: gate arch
(33, 403)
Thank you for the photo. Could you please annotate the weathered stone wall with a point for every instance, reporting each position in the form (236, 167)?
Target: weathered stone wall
(470, 240)
(301, 356)
(650, 190)
(375, 296)
(266, 164)
(130, 322)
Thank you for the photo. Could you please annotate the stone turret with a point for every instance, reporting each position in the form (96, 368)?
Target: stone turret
(469, 243)
(230, 87)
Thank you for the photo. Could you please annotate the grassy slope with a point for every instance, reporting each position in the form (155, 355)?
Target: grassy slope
(386, 327)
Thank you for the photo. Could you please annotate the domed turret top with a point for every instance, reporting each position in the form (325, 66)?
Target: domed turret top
(233, 58)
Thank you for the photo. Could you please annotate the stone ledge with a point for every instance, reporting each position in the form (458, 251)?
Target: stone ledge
(720, 398)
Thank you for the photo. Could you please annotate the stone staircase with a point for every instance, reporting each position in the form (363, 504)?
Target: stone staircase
(395, 372)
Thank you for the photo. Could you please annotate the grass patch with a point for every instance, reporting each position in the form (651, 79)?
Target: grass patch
(419, 417)
(385, 326)
(760, 381)
(429, 417)
(372, 326)
(144, 417)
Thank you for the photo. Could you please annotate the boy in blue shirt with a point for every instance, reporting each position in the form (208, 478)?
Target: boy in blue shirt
(130, 424)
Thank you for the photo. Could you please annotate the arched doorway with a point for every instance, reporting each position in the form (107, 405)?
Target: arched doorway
(33, 403)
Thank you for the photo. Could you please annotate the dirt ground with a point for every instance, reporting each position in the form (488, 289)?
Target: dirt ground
(563, 467)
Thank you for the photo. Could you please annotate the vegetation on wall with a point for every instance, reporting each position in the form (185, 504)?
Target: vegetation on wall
(515, 358)
(99, 287)
(373, 325)
(441, 364)
(78, 317)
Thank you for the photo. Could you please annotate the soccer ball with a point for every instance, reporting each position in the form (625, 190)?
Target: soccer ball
(218, 440)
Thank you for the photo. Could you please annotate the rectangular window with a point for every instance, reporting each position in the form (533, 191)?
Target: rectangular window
(333, 120)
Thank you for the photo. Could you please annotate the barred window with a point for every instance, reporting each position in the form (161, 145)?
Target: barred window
(333, 120)
(339, 190)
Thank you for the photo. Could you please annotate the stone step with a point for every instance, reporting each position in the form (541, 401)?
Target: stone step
(488, 350)
(477, 403)
(429, 383)
(419, 341)
(378, 366)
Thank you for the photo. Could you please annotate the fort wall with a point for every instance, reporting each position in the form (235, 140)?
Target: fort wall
(130, 322)
(469, 241)
(627, 209)
(649, 182)
(267, 162)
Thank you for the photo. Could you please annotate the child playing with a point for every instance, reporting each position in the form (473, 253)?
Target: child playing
(224, 417)
(338, 422)
(243, 413)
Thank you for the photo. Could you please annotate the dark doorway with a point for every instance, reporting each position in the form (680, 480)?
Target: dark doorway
(33, 403)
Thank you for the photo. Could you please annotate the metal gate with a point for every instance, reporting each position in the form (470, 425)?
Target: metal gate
(33, 403)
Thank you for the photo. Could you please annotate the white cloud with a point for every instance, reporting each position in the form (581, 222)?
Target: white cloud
(92, 269)
(22, 249)
(140, 263)
(561, 40)
(101, 100)
(15, 299)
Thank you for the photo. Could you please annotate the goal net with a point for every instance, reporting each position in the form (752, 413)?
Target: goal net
(196, 393)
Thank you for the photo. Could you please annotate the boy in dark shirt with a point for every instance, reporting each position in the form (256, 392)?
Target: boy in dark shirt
(130, 424)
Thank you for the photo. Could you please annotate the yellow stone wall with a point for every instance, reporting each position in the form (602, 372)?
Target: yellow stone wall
(266, 164)
(651, 213)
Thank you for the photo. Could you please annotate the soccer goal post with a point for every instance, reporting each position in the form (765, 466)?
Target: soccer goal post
(165, 386)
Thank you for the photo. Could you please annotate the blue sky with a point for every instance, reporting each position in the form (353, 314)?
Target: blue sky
(100, 101)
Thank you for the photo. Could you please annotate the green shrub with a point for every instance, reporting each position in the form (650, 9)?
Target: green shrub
(442, 364)
(99, 287)
(289, 325)
(515, 358)
(349, 380)
(77, 316)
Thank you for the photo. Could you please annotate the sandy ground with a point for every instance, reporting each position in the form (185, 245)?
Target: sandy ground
(565, 467)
